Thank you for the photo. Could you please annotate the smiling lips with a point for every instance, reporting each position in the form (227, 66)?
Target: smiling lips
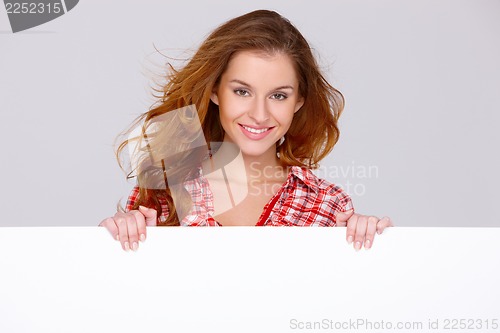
(255, 133)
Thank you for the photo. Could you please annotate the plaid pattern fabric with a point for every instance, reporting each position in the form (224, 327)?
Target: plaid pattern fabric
(303, 200)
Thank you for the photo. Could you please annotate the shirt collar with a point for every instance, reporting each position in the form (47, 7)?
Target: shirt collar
(306, 176)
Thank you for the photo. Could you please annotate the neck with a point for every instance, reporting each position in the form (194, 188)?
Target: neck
(266, 165)
(266, 160)
(230, 157)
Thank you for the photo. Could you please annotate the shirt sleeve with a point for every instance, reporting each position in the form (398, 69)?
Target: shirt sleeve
(340, 202)
(132, 198)
(346, 202)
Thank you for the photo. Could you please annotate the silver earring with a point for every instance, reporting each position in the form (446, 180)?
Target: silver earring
(280, 142)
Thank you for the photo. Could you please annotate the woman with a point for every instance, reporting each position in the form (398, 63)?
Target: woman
(254, 86)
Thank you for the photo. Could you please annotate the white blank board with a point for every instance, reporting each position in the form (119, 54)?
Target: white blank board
(77, 279)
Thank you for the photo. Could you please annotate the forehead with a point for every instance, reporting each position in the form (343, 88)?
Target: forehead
(261, 68)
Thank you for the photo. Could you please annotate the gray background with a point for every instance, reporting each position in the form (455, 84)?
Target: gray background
(421, 80)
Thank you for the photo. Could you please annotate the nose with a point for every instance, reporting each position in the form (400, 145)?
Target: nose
(259, 111)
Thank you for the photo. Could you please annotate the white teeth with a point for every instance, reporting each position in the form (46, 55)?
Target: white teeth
(256, 131)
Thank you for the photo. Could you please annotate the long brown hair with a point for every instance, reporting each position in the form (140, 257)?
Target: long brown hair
(313, 132)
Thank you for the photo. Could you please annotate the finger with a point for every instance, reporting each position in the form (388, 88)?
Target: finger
(385, 222)
(359, 237)
(371, 228)
(351, 228)
(133, 232)
(340, 224)
(150, 214)
(342, 217)
(140, 227)
(110, 225)
(121, 222)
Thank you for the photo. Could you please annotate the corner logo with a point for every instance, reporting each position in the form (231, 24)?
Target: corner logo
(28, 14)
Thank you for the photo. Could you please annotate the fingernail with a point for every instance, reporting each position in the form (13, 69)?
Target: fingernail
(349, 240)
(127, 246)
(357, 246)
(368, 244)
(135, 246)
(142, 237)
(117, 237)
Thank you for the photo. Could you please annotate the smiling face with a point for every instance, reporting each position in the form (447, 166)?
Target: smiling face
(257, 95)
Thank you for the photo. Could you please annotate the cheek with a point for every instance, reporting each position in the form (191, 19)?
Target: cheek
(229, 111)
(229, 106)
(284, 113)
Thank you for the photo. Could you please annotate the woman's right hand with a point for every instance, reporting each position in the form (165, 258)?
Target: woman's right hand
(129, 228)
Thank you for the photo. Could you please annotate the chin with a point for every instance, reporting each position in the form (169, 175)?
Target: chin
(254, 150)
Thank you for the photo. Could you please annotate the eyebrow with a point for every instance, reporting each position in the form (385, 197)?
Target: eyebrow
(248, 85)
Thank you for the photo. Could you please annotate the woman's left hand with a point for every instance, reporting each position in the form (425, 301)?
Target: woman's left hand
(361, 229)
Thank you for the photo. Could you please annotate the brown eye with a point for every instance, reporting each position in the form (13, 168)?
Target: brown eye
(241, 92)
(279, 96)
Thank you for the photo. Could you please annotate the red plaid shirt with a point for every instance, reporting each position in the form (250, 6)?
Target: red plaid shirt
(303, 200)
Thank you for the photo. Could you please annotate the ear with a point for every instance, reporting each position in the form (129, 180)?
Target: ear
(299, 104)
(214, 97)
